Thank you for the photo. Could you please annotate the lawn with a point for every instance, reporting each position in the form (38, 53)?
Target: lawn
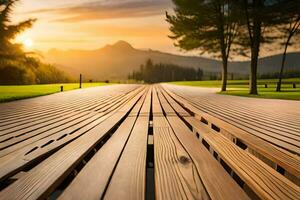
(240, 88)
(15, 92)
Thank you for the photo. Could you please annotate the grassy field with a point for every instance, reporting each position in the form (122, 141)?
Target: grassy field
(240, 88)
(15, 92)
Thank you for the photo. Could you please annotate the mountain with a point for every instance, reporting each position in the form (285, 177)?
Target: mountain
(118, 60)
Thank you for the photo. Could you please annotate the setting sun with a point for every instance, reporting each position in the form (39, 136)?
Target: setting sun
(28, 43)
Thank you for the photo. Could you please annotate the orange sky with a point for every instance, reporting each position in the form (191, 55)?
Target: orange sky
(91, 24)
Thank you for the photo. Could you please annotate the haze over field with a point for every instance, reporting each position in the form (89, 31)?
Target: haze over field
(118, 60)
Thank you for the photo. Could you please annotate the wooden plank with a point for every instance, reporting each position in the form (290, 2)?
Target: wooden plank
(11, 163)
(54, 115)
(41, 127)
(47, 130)
(261, 127)
(176, 176)
(41, 180)
(156, 108)
(235, 107)
(97, 172)
(218, 184)
(255, 116)
(216, 181)
(274, 130)
(289, 162)
(128, 180)
(251, 113)
(261, 178)
(57, 101)
(276, 109)
(55, 112)
(79, 127)
(166, 106)
(179, 109)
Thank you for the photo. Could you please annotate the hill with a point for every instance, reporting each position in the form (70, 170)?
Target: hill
(118, 60)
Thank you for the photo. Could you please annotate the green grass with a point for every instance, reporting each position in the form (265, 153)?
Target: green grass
(240, 88)
(15, 92)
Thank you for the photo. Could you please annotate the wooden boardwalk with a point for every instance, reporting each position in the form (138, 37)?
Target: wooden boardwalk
(149, 142)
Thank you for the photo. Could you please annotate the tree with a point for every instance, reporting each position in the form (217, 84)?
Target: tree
(259, 15)
(9, 31)
(206, 25)
(199, 74)
(155, 73)
(292, 14)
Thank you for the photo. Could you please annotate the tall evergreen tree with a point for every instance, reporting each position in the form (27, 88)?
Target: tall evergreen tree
(9, 31)
(206, 25)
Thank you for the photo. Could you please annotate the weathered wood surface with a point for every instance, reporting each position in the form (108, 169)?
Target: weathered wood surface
(275, 121)
(96, 174)
(258, 176)
(263, 149)
(194, 170)
(126, 141)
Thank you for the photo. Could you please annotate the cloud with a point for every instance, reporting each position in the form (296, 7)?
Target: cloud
(121, 31)
(98, 10)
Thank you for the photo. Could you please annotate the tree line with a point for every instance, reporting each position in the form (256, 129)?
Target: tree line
(155, 73)
(16, 65)
(30, 70)
(228, 28)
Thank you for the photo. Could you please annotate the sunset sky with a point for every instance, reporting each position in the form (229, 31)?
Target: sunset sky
(91, 24)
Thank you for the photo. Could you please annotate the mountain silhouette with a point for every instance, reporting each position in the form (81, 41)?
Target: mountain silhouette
(118, 60)
(120, 45)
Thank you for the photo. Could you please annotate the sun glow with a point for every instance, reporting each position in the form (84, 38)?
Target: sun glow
(28, 43)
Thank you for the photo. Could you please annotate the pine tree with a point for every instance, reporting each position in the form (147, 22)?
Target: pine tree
(9, 31)
(209, 26)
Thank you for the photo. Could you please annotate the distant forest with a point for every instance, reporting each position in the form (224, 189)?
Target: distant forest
(155, 73)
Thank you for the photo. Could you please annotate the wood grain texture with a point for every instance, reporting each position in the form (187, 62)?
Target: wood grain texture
(41, 180)
(218, 184)
(15, 161)
(248, 114)
(129, 178)
(176, 175)
(106, 136)
(283, 158)
(96, 174)
(261, 178)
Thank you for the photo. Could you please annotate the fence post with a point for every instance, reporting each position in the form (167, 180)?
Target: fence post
(80, 80)
(294, 85)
